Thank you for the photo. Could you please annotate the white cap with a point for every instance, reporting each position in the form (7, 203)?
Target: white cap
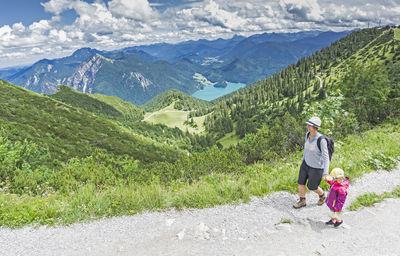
(314, 121)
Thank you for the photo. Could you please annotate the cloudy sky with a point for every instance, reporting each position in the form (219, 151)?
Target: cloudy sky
(31, 30)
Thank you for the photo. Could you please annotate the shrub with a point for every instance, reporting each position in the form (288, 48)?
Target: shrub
(23, 165)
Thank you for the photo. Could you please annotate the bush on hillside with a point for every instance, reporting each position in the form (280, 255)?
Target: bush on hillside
(22, 165)
(269, 144)
(336, 121)
(192, 167)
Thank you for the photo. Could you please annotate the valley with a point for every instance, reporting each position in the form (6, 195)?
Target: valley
(186, 127)
(138, 74)
(70, 156)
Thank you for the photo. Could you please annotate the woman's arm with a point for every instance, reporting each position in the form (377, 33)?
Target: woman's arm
(325, 156)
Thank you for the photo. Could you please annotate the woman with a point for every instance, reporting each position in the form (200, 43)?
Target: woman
(315, 164)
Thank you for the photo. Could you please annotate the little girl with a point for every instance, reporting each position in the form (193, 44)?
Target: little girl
(337, 195)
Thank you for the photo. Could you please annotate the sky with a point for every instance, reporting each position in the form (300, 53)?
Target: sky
(31, 30)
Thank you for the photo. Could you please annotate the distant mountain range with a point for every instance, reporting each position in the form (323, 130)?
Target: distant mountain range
(137, 74)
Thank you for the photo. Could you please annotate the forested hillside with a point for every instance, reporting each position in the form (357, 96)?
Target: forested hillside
(130, 117)
(182, 101)
(68, 131)
(109, 106)
(357, 71)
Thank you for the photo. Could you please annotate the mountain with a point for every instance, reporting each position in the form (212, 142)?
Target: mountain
(69, 131)
(74, 156)
(108, 106)
(137, 74)
(360, 70)
(283, 49)
(194, 50)
(130, 117)
(182, 101)
(45, 75)
(283, 37)
(5, 73)
(131, 79)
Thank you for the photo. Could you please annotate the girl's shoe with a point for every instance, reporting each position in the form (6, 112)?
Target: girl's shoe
(330, 222)
(337, 224)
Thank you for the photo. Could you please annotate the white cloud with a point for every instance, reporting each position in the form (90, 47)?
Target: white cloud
(5, 31)
(215, 16)
(303, 9)
(137, 9)
(57, 6)
(122, 23)
(40, 27)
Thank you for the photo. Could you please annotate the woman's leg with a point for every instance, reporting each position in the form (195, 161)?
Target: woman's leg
(301, 181)
(302, 190)
(319, 191)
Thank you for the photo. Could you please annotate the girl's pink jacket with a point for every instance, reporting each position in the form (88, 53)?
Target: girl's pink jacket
(337, 194)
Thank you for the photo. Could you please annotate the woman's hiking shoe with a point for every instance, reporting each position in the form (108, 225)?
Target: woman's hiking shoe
(330, 222)
(321, 200)
(300, 203)
(337, 224)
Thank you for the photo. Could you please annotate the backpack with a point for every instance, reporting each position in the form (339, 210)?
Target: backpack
(329, 143)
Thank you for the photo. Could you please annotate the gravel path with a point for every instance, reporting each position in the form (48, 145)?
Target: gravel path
(245, 229)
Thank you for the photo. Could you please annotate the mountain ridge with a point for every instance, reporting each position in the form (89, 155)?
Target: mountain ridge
(209, 58)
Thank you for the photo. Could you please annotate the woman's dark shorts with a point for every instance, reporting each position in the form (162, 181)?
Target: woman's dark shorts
(313, 175)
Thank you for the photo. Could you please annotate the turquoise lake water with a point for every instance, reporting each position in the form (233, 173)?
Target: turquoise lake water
(211, 92)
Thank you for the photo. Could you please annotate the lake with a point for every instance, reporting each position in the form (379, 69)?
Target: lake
(210, 92)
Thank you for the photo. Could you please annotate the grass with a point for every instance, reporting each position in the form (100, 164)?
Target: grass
(229, 139)
(88, 202)
(129, 111)
(370, 199)
(175, 118)
(283, 221)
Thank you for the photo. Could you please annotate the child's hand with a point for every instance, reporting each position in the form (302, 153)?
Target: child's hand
(328, 178)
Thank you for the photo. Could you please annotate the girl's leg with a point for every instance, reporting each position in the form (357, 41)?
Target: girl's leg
(338, 221)
(337, 217)
(332, 216)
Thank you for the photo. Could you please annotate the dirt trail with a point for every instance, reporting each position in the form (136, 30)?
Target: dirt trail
(245, 229)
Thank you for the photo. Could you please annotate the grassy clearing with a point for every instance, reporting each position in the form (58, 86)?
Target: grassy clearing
(175, 118)
(229, 139)
(357, 154)
(370, 199)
